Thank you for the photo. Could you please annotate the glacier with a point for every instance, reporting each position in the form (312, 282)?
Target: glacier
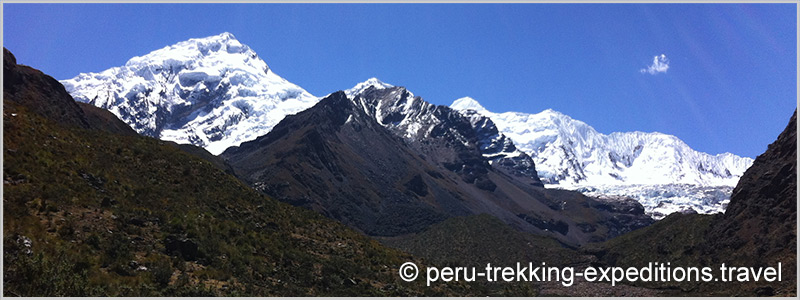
(659, 170)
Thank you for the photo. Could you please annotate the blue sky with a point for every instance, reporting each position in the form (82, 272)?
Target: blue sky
(730, 85)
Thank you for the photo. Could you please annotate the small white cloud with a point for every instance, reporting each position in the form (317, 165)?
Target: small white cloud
(660, 65)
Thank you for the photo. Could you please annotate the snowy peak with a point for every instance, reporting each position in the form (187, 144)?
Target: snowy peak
(659, 170)
(213, 92)
(363, 86)
(466, 103)
(568, 151)
(557, 115)
(395, 108)
(223, 48)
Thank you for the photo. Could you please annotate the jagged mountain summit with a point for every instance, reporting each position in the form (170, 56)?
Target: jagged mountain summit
(428, 128)
(363, 86)
(213, 92)
(570, 153)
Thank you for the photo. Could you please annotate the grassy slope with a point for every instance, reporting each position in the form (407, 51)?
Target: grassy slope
(474, 241)
(92, 203)
(480, 239)
(685, 240)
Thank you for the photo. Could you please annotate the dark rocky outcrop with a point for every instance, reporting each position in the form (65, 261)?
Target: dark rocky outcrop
(764, 202)
(41, 93)
(760, 225)
(102, 119)
(46, 96)
(333, 159)
(186, 248)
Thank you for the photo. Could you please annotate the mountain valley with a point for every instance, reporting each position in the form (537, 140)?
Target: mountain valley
(195, 170)
(216, 92)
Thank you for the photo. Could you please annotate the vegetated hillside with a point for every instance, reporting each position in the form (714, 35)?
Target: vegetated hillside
(480, 239)
(758, 230)
(340, 159)
(475, 241)
(90, 212)
(102, 119)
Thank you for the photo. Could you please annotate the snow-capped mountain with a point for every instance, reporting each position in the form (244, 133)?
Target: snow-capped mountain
(568, 151)
(213, 92)
(571, 154)
(363, 86)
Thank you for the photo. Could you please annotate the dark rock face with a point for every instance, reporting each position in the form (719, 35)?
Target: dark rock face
(42, 93)
(501, 152)
(464, 144)
(102, 119)
(551, 225)
(336, 160)
(390, 164)
(417, 186)
(46, 96)
(760, 221)
(184, 247)
(442, 135)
